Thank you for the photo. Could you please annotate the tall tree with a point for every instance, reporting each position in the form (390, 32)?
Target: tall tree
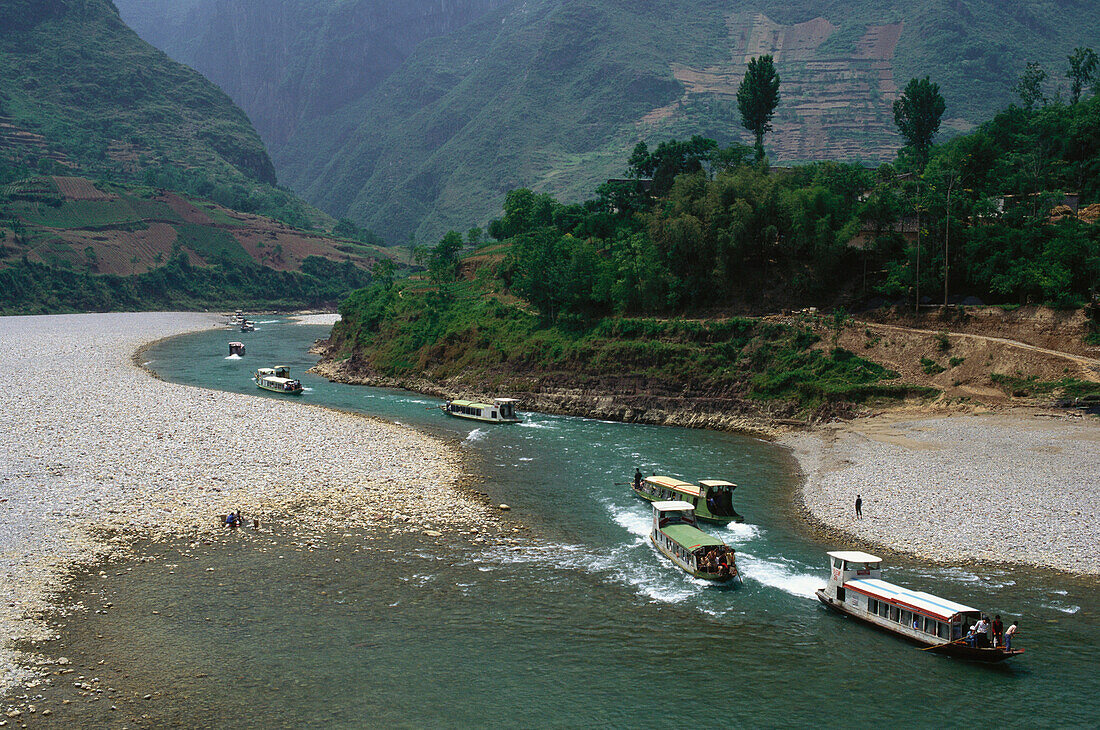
(757, 98)
(1082, 65)
(917, 115)
(1030, 86)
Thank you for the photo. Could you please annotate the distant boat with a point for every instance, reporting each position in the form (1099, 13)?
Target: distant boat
(678, 538)
(277, 380)
(236, 348)
(501, 410)
(855, 588)
(712, 499)
(247, 326)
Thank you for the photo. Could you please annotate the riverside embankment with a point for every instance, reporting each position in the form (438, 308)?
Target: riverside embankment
(97, 451)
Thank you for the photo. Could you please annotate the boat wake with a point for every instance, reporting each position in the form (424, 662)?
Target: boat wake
(657, 582)
(233, 357)
(476, 435)
(536, 424)
(779, 573)
(267, 321)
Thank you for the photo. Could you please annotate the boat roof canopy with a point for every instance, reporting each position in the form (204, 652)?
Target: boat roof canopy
(940, 608)
(471, 404)
(690, 537)
(672, 506)
(505, 400)
(855, 556)
(717, 483)
(673, 483)
(236, 343)
(266, 371)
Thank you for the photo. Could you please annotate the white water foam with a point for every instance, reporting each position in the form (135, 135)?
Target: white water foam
(1063, 608)
(306, 389)
(233, 357)
(633, 521)
(739, 532)
(779, 574)
(267, 321)
(536, 424)
(476, 435)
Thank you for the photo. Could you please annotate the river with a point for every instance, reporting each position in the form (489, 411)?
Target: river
(579, 621)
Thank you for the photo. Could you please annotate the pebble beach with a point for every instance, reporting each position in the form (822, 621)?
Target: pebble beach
(1016, 487)
(97, 451)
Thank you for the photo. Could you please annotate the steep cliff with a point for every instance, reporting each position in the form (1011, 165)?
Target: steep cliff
(80, 88)
(287, 62)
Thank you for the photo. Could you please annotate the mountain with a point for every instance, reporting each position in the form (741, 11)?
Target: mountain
(553, 94)
(80, 92)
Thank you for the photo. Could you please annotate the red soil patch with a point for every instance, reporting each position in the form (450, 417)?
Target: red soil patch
(261, 243)
(185, 209)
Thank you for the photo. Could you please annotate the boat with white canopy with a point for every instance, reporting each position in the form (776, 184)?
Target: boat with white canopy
(856, 588)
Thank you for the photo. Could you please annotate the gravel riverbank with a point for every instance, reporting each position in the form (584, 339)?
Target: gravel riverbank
(96, 449)
(1020, 486)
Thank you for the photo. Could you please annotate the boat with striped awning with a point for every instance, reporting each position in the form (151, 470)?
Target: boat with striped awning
(856, 588)
(712, 499)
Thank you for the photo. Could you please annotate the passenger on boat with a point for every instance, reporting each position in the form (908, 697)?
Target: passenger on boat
(981, 633)
(998, 631)
(1010, 632)
(637, 478)
(970, 636)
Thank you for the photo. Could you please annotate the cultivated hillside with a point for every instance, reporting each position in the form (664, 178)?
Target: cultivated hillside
(81, 92)
(552, 94)
(74, 244)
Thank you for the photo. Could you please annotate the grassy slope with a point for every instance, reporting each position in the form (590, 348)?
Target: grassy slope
(476, 338)
(548, 94)
(71, 71)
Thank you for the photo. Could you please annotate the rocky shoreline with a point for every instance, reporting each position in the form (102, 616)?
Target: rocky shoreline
(1015, 487)
(98, 452)
(714, 413)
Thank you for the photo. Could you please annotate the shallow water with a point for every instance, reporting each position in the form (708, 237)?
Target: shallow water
(581, 622)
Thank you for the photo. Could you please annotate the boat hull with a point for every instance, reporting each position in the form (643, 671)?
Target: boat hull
(280, 391)
(958, 650)
(704, 517)
(712, 577)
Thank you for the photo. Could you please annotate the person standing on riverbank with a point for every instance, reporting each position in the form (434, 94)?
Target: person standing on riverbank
(859, 507)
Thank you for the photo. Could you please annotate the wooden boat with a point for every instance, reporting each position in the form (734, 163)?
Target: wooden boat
(712, 499)
(277, 380)
(236, 348)
(247, 326)
(856, 588)
(679, 539)
(501, 410)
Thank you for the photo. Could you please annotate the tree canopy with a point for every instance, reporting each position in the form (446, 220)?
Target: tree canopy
(917, 115)
(757, 98)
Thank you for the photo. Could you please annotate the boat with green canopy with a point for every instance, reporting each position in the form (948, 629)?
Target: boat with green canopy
(676, 534)
(712, 499)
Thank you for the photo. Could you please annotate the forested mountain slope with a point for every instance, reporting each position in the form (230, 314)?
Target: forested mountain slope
(552, 94)
(80, 91)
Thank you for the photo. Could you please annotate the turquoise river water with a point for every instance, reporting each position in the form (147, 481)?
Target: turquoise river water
(579, 623)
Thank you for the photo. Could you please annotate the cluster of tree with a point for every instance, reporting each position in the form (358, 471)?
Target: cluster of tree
(694, 224)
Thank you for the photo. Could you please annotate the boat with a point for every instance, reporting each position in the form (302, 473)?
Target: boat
(277, 380)
(236, 348)
(856, 588)
(501, 410)
(247, 326)
(712, 499)
(676, 534)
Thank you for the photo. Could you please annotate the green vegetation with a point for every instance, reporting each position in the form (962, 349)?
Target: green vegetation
(34, 288)
(931, 367)
(71, 71)
(757, 98)
(466, 332)
(1031, 386)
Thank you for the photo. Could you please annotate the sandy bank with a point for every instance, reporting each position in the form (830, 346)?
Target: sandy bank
(1021, 486)
(92, 441)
